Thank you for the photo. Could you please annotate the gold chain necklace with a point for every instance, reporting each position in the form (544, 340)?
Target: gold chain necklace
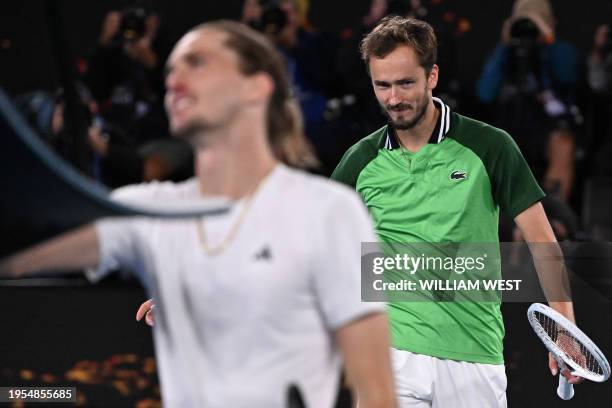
(231, 235)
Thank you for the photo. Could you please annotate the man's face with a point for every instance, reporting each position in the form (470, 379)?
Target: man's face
(402, 87)
(204, 86)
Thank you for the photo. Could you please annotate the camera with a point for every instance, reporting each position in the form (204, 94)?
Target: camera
(273, 18)
(524, 54)
(132, 25)
(524, 35)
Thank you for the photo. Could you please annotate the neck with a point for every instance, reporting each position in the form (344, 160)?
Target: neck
(418, 136)
(235, 160)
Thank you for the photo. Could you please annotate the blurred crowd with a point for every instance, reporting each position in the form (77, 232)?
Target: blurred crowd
(554, 100)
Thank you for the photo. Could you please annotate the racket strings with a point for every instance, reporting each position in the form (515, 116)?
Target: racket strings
(569, 344)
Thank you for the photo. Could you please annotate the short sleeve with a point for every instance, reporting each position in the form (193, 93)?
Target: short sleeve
(346, 173)
(514, 187)
(117, 247)
(337, 261)
(357, 158)
(123, 240)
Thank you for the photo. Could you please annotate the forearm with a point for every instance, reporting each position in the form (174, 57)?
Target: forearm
(552, 273)
(72, 251)
(548, 259)
(555, 283)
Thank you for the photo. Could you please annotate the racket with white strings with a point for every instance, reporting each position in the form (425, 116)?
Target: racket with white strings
(569, 346)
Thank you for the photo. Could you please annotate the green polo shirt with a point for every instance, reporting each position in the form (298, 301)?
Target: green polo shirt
(450, 191)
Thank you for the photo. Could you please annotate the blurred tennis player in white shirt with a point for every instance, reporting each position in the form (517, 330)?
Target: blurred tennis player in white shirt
(267, 295)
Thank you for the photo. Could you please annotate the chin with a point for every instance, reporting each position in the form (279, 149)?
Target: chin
(403, 125)
(191, 132)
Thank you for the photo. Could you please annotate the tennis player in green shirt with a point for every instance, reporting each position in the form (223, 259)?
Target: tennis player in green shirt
(431, 175)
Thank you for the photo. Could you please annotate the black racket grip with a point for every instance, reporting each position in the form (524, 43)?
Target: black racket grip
(294, 397)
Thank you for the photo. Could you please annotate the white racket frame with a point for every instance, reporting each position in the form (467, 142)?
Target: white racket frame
(566, 390)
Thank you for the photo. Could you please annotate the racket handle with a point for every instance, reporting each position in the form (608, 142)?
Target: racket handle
(565, 391)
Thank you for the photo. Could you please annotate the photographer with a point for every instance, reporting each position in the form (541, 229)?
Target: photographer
(125, 69)
(599, 79)
(308, 54)
(600, 62)
(125, 77)
(531, 77)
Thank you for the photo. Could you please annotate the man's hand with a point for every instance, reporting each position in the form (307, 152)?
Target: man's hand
(505, 32)
(8, 269)
(546, 31)
(554, 369)
(110, 28)
(146, 310)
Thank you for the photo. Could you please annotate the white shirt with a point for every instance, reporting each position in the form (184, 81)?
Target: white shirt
(237, 328)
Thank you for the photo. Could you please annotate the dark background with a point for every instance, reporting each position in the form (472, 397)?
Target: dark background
(50, 329)
(54, 329)
(27, 62)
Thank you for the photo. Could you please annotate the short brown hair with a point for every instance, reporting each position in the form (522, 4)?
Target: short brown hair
(394, 31)
(284, 119)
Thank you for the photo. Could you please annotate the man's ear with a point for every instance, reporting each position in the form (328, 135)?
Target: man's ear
(432, 78)
(259, 87)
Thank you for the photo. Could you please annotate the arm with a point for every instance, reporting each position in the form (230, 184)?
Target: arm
(492, 75)
(538, 234)
(360, 328)
(70, 252)
(543, 245)
(365, 346)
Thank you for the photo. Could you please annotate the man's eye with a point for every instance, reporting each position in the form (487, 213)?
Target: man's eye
(195, 61)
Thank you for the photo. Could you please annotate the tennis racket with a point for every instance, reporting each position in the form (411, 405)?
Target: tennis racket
(569, 346)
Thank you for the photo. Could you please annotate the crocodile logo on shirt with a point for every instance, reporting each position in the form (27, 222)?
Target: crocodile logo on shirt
(458, 175)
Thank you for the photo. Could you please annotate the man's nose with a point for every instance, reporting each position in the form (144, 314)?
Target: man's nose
(394, 96)
(174, 79)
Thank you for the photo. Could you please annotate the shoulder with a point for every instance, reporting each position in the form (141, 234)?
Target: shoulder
(304, 185)
(316, 193)
(466, 125)
(329, 213)
(358, 156)
(366, 147)
(480, 136)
